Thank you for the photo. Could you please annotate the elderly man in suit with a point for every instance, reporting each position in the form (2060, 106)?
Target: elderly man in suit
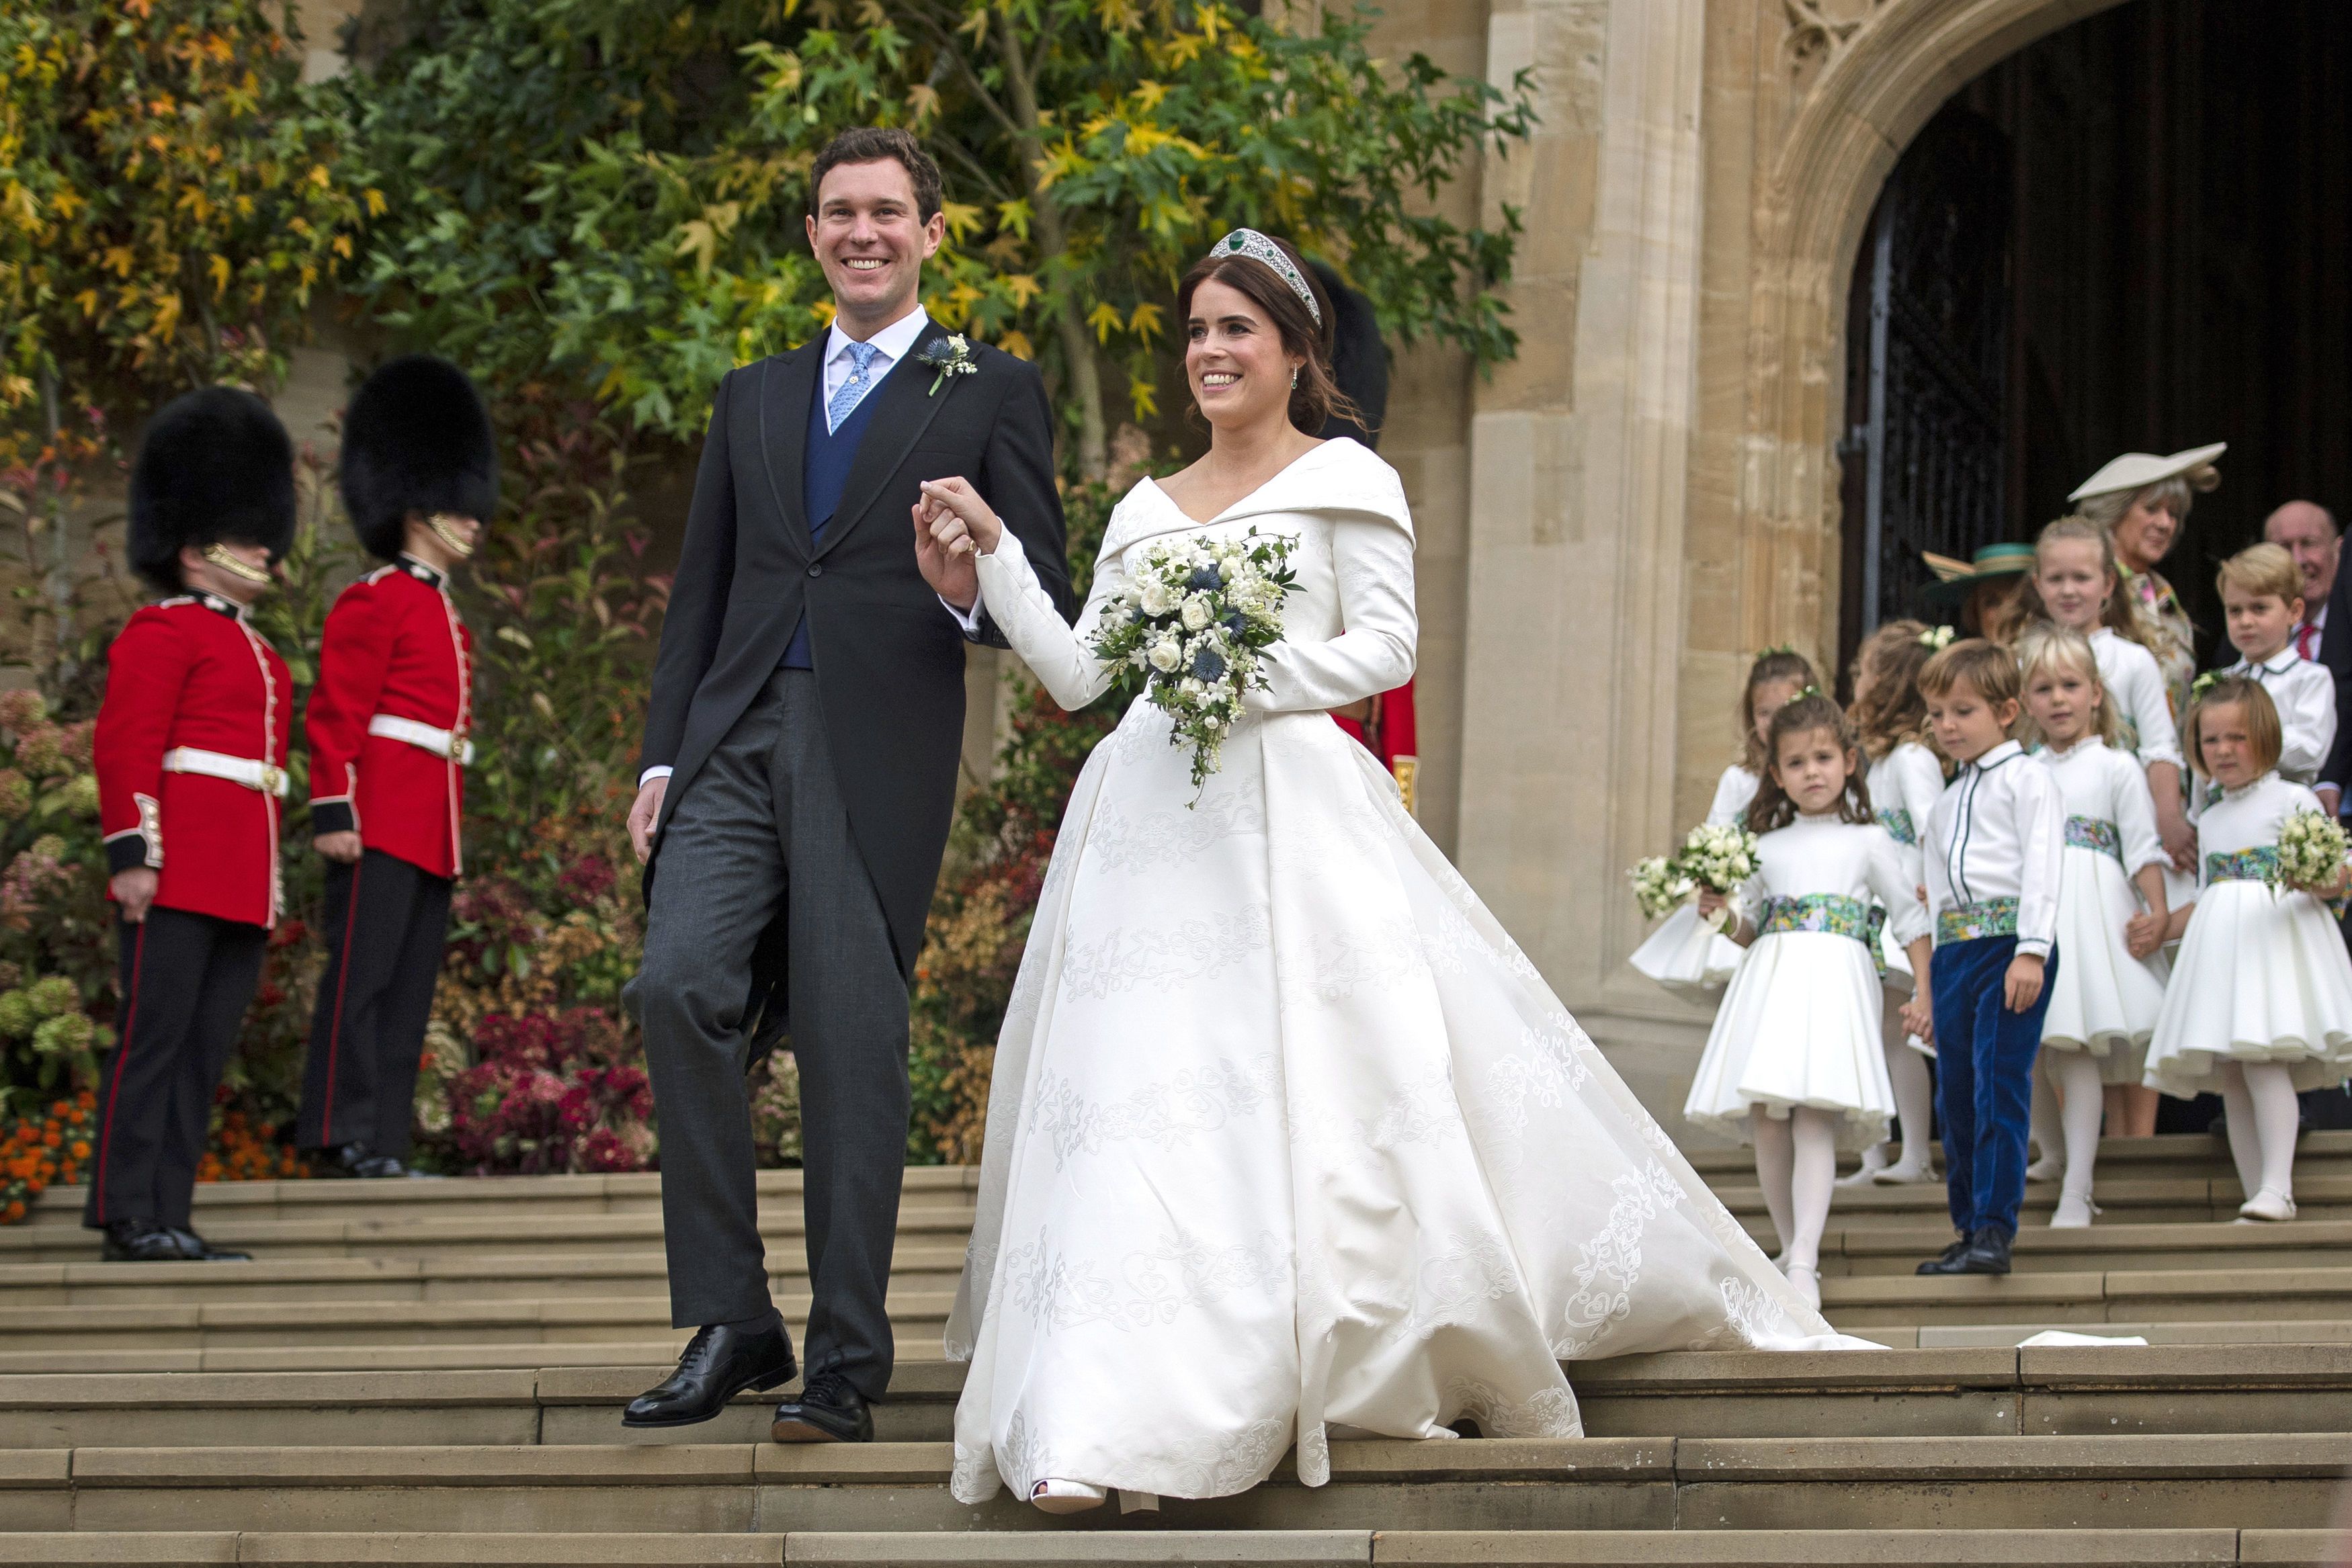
(798, 777)
(2307, 531)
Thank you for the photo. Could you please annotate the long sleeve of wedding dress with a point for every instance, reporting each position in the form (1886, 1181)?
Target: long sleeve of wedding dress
(1056, 653)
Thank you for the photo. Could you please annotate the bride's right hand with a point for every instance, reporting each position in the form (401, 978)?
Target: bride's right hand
(960, 521)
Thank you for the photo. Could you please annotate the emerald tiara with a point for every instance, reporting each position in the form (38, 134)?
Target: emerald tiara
(1257, 247)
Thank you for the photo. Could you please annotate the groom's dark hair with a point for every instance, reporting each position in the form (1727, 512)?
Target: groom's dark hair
(872, 144)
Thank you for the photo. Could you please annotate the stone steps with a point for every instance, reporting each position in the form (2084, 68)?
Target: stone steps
(2069, 1391)
(1258, 1549)
(2078, 1483)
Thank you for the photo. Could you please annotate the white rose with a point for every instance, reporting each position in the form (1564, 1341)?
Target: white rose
(1165, 654)
(1159, 598)
(1196, 614)
(1229, 569)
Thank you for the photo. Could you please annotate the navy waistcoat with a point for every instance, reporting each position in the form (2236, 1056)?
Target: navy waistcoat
(825, 461)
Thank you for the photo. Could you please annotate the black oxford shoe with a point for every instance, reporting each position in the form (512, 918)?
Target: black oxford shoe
(721, 1361)
(140, 1242)
(829, 1410)
(354, 1160)
(1948, 1262)
(195, 1246)
(1988, 1251)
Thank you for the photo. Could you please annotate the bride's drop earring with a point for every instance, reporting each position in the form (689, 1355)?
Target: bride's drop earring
(1294, 380)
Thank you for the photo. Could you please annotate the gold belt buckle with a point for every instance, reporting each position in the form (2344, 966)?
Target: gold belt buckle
(273, 777)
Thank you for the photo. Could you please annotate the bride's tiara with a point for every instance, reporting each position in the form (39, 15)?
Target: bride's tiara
(1257, 247)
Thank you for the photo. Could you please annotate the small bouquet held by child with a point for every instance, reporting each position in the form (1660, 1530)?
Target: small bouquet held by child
(2311, 847)
(1196, 621)
(1689, 953)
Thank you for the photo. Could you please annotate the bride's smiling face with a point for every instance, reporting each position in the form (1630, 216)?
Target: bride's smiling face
(1235, 359)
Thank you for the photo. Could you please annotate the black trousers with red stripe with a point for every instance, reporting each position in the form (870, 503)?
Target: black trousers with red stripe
(387, 922)
(185, 981)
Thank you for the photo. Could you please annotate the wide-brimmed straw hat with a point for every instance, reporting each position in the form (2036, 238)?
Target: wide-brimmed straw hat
(2138, 470)
(1956, 578)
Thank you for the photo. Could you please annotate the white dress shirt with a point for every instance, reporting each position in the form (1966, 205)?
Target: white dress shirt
(891, 344)
(2305, 694)
(1997, 833)
(2135, 686)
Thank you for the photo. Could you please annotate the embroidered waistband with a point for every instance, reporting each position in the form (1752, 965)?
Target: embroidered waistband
(2094, 833)
(1973, 922)
(2257, 864)
(1899, 826)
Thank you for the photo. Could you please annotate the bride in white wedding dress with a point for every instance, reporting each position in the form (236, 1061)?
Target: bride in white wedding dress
(1287, 1139)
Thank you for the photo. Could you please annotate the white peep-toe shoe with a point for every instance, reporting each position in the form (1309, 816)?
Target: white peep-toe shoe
(1051, 1496)
(1807, 1284)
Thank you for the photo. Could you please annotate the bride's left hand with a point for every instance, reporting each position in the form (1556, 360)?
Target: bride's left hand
(960, 521)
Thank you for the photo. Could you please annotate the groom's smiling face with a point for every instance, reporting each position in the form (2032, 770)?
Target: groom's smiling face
(872, 241)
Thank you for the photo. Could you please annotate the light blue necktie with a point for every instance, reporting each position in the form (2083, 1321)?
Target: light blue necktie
(852, 391)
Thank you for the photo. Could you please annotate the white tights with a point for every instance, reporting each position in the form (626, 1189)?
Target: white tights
(1914, 1091)
(1796, 1163)
(2258, 1098)
(2069, 1118)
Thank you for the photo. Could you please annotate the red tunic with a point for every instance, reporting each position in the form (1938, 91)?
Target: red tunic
(393, 649)
(189, 676)
(1391, 738)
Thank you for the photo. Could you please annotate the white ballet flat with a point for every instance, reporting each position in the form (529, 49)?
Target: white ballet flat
(1874, 1160)
(1808, 1283)
(2268, 1204)
(1903, 1171)
(2049, 1168)
(2073, 1212)
(1052, 1496)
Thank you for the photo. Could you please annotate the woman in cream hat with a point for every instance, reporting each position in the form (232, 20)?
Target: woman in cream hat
(2142, 500)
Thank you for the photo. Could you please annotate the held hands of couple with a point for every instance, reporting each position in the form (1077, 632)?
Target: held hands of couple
(953, 527)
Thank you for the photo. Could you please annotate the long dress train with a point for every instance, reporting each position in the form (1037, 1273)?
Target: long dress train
(1285, 1133)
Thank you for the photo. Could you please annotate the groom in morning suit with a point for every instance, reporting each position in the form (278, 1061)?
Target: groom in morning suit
(798, 776)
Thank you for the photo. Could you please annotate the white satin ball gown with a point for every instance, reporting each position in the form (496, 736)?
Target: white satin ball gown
(1284, 1134)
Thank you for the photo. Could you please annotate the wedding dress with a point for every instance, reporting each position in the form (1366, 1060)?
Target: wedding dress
(1285, 1134)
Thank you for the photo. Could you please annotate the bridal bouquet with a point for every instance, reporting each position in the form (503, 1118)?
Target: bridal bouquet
(1196, 620)
(2311, 849)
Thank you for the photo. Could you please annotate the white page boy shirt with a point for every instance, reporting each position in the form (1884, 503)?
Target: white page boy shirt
(2305, 695)
(1992, 852)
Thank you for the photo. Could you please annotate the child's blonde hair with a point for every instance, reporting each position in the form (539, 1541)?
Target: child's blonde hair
(2262, 720)
(1772, 666)
(2119, 614)
(2059, 647)
(2262, 568)
(1891, 712)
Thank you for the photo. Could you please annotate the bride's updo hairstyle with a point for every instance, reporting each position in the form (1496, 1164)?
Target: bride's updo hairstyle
(1316, 397)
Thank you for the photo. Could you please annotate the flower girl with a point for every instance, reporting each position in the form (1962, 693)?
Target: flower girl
(2075, 583)
(1905, 780)
(2112, 913)
(2261, 1000)
(1683, 954)
(1796, 1051)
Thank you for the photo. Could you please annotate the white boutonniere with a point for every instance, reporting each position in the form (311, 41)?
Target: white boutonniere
(950, 356)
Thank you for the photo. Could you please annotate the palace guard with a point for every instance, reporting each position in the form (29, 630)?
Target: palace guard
(387, 725)
(190, 753)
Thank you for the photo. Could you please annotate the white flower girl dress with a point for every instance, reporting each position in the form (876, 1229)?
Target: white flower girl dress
(1285, 1133)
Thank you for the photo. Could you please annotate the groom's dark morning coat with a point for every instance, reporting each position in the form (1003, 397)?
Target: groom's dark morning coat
(889, 657)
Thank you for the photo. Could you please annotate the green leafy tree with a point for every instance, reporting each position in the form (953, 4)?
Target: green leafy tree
(611, 192)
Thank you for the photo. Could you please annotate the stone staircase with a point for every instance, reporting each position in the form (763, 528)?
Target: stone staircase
(431, 1372)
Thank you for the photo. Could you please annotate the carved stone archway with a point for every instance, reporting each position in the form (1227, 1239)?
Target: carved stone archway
(1860, 79)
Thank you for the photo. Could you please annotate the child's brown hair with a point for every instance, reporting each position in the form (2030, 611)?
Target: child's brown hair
(1772, 666)
(1807, 712)
(1891, 712)
(2262, 720)
(1991, 672)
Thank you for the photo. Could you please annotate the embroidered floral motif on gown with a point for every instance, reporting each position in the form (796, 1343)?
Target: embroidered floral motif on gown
(1285, 1131)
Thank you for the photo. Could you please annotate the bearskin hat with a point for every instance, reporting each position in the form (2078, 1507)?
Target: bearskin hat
(215, 464)
(416, 441)
(1359, 362)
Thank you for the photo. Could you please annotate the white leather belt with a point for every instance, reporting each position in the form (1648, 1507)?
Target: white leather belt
(439, 742)
(251, 772)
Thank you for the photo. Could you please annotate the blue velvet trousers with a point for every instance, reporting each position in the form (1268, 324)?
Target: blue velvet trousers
(1984, 1078)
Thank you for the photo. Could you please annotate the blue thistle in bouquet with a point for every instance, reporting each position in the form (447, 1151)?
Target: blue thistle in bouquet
(1196, 620)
